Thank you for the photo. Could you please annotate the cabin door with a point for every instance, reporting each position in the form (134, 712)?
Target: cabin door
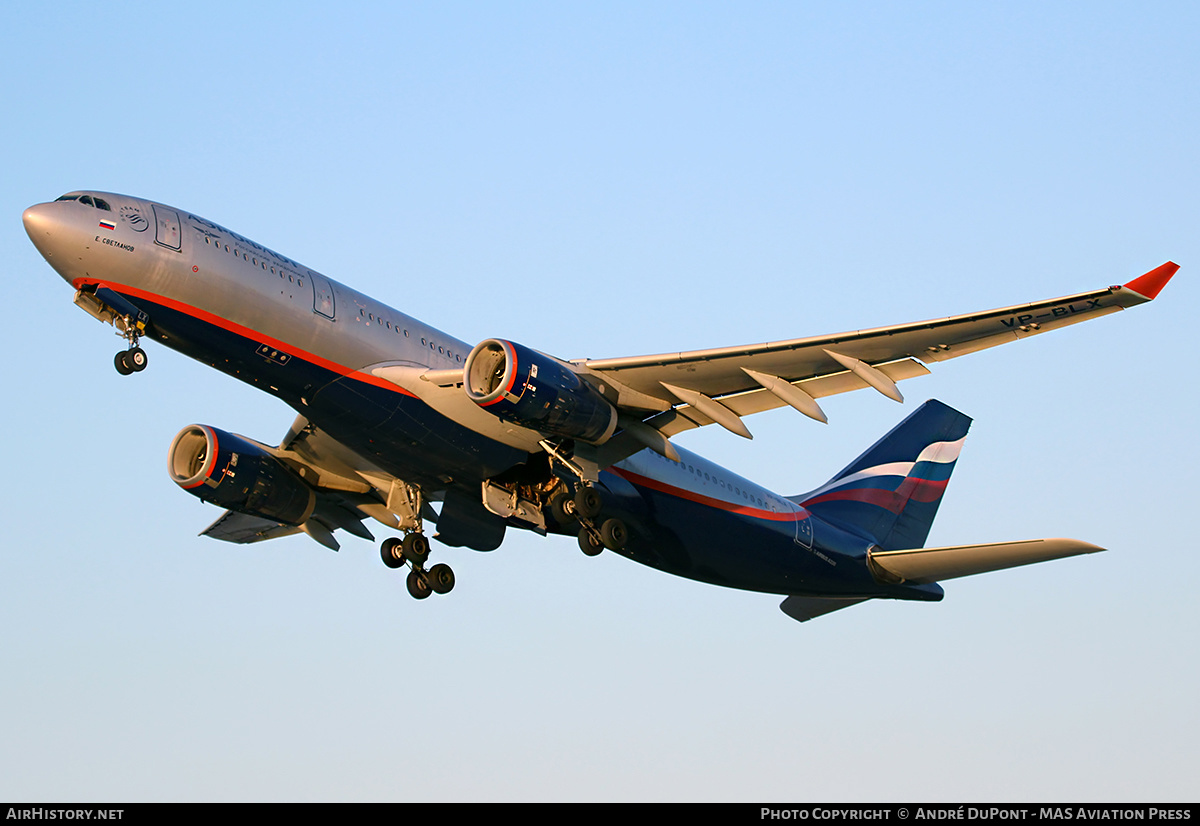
(322, 295)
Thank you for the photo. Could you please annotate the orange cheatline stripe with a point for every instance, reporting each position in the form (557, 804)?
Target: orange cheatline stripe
(245, 332)
(701, 499)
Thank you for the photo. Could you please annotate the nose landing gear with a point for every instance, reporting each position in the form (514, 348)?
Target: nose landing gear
(133, 360)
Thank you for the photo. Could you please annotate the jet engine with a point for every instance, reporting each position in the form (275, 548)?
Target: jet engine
(237, 474)
(536, 391)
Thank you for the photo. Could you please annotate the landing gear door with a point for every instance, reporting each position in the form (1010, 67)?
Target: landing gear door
(322, 295)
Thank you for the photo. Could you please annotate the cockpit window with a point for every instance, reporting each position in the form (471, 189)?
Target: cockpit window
(99, 203)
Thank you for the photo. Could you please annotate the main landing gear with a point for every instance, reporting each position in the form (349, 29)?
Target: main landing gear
(595, 532)
(585, 507)
(413, 550)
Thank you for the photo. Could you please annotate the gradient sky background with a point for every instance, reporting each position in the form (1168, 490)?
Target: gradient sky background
(611, 180)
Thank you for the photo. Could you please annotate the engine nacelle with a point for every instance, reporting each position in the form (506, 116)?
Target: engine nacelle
(536, 391)
(229, 471)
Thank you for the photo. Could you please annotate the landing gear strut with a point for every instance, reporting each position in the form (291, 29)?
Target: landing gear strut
(405, 502)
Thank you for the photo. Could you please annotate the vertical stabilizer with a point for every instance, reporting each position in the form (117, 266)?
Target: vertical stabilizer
(892, 491)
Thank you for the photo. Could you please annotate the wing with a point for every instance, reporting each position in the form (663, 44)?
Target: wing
(704, 386)
(345, 491)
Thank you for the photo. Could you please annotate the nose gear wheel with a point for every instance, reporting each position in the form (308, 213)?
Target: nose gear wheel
(133, 359)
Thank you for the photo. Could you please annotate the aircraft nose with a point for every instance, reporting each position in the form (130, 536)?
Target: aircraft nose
(39, 227)
(58, 236)
(33, 216)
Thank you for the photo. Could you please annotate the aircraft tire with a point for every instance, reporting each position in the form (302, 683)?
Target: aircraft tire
(416, 548)
(588, 544)
(418, 584)
(441, 578)
(614, 534)
(137, 359)
(562, 508)
(588, 503)
(122, 364)
(391, 552)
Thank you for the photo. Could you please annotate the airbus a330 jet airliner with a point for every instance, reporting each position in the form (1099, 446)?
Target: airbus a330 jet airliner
(395, 416)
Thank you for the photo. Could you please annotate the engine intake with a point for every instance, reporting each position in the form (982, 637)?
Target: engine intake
(533, 390)
(234, 473)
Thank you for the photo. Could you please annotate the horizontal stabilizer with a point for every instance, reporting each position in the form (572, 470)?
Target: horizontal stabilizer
(924, 565)
(806, 608)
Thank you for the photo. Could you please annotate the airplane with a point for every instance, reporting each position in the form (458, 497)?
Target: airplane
(395, 416)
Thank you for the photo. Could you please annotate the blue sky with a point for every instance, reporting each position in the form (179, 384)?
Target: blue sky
(600, 181)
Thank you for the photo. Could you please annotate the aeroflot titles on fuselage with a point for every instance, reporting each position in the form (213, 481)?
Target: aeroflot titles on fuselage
(252, 244)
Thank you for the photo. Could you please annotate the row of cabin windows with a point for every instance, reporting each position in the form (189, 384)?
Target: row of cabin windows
(700, 473)
(299, 282)
(101, 204)
(372, 318)
(87, 200)
(749, 497)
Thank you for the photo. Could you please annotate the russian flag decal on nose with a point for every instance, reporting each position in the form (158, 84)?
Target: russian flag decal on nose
(107, 225)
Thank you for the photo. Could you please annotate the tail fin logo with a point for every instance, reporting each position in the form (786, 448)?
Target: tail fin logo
(891, 486)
